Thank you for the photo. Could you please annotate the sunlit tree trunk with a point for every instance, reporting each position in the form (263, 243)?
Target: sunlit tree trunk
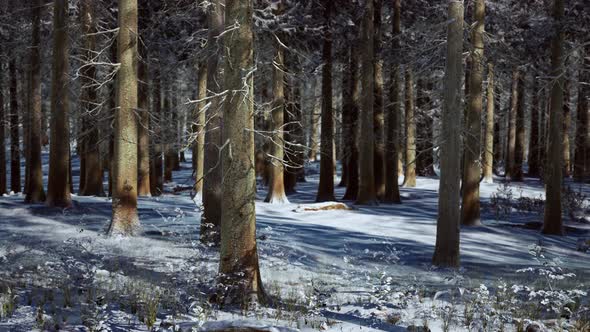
(276, 187)
(314, 138)
(446, 251)
(490, 130)
(378, 112)
(211, 217)
(533, 157)
(351, 130)
(553, 223)
(238, 264)
(35, 192)
(200, 118)
(410, 172)
(143, 139)
(58, 188)
(125, 219)
(511, 140)
(392, 161)
(367, 194)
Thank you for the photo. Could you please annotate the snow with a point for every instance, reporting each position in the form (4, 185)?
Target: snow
(347, 269)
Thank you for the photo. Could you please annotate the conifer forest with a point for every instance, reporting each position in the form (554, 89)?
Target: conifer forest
(295, 165)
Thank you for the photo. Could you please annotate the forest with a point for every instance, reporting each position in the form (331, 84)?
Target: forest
(295, 165)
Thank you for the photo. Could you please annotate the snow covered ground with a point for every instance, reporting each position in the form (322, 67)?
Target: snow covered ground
(366, 268)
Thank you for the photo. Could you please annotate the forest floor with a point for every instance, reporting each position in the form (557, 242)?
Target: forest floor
(363, 268)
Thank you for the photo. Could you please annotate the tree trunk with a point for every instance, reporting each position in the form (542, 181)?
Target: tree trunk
(326, 186)
(91, 151)
(315, 121)
(239, 257)
(424, 141)
(2, 132)
(410, 174)
(35, 192)
(490, 130)
(112, 108)
(582, 156)
(470, 208)
(143, 139)
(157, 169)
(511, 140)
(378, 113)
(553, 223)
(125, 219)
(211, 218)
(567, 119)
(58, 188)
(167, 137)
(392, 162)
(533, 157)
(350, 123)
(276, 187)
(543, 132)
(367, 194)
(517, 173)
(14, 131)
(200, 118)
(446, 251)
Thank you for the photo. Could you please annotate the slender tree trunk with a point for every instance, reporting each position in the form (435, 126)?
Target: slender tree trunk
(424, 141)
(350, 129)
(543, 132)
(112, 109)
(470, 208)
(91, 151)
(35, 192)
(490, 130)
(511, 140)
(125, 219)
(14, 131)
(567, 119)
(582, 156)
(517, 173)
(2, 130)
(239, 257)
(25, 97)
(143, 139)
(157, 169)
(446, 252)
(533, 157)
(276, 187)
(367, 194)
(410, 174)
(200, 118)
(58, 188)
(316, 111)
(553, 223)
(211, 218)
(326, 186)
(392, 162)
(378, 112)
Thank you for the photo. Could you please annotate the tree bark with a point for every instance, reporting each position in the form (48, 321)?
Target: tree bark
(14, 130)
(424, 140)
(552, 223)
(238, 255)
(470, 208)
(326, 186)
(490, 130)
(315, 121)
(200, 118)
(58, 188)
(211, 218)
(2, 131)
(446, 253)
(378, 112)
(35, 192)
(567, 119)
(533, 157)
(511, 140)
(125, 219)
(582, 156)
(350, 129)
(143, 139)
(276, 187)
(157, 168)
(410, 172)
(367, 194)
(392, 162)
(517, 173)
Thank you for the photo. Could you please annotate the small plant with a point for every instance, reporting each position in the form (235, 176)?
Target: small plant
(573, 202)
(501, 201)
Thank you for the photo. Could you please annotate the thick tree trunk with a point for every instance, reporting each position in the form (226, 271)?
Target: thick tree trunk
(533, 157)
(276, 187)
(553, 223)
(446, 252)
(511, 140)
(490, 130)
(326, 186)
(35, 192)
(58, 188)
(410, 172)
(91, 151)
(470, 208)
(392, 161)
(378, 112)
(14, 131)
(517, 173)
(125, 219)
(239, 257)
(200, 118)
(350, 122)
(367, 194)
(211, 218)
(567, 119)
